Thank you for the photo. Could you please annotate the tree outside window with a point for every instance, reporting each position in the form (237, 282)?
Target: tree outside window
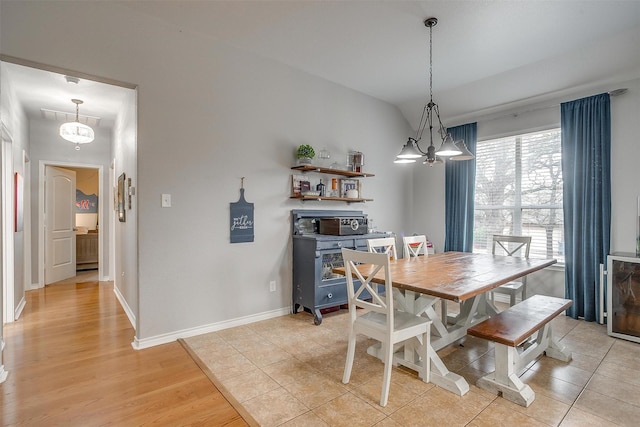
(519, 192)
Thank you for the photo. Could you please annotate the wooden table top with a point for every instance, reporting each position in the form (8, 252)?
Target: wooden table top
(457, 276)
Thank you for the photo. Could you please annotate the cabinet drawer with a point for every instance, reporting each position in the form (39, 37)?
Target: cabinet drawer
(336, 244)
(330, 295)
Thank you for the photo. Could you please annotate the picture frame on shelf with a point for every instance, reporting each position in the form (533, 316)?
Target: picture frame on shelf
(296, 184)
(347, 184)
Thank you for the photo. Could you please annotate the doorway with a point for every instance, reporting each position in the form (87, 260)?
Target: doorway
(38, 99)
(87, 217)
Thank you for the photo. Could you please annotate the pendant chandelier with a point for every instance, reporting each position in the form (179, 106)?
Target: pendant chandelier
(411, 151)
(76, 132)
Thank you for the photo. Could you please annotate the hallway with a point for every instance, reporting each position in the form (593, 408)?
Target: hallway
(71, 363)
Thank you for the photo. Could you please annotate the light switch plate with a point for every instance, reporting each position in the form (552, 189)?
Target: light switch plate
(166, 200)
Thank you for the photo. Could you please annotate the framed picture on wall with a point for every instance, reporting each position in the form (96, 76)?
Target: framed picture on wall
(121, 200)
(18, 202)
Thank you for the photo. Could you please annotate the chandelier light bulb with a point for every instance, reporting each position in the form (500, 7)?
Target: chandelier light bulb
(448, 148)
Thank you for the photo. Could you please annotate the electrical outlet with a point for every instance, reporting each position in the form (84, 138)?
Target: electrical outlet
(272, 286)
(166, 200)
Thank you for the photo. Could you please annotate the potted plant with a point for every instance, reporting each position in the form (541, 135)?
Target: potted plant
(305, 153)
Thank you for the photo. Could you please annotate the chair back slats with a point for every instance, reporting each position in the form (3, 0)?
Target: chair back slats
(516, 246)
(414, 246)
(512, 245)
(364, 266)
(385, 245)
(366, 289)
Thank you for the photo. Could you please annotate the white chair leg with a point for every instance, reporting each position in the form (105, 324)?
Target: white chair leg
(351, 351)
(426, 360)
(512, 298)
(443, 311)
(386, 380)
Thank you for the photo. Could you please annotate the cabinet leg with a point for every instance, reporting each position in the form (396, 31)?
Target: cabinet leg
(317, 317)
(296, 306)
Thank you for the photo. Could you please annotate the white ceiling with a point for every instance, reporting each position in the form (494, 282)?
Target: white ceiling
(39, 90)
(487, 55)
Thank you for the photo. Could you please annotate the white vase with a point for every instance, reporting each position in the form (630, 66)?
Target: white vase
(304, 161)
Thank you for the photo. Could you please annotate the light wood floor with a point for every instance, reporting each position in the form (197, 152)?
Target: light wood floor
(71, 363)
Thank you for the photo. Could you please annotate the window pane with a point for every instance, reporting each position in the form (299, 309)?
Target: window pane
(519, 192)
(546, 227)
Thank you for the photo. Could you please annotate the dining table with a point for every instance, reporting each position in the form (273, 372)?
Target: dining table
(420, 283)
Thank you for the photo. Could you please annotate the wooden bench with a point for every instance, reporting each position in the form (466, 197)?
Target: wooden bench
(511, 328)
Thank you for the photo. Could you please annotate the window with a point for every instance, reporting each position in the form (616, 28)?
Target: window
(519, 192)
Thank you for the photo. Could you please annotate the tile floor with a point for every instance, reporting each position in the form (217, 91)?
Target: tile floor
(287, 372)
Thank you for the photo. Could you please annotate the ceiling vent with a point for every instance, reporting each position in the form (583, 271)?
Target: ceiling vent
(62, 116)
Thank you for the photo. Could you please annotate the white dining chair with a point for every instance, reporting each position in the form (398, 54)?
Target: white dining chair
(385, 245)
(414, 246)
(511, 246)
(378, 319)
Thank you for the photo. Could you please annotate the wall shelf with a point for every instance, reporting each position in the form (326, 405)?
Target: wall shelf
(335, 199)
(330, 171)
(319, 169)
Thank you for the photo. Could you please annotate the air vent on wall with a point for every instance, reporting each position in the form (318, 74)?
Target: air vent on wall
(61, 116)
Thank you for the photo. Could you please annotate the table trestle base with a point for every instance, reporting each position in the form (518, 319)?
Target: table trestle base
(407, 356)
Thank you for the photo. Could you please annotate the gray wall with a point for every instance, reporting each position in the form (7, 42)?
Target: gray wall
(17, 125)
(125, 234)
(208, 115)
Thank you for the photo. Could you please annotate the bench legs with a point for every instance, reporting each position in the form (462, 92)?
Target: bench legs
(509, 363)
(504, 380)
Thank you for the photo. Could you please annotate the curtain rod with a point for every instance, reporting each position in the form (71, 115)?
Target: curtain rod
(515, 112)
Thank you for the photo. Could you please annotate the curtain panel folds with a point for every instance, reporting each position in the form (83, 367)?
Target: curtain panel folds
(586, 168)
(460, 181)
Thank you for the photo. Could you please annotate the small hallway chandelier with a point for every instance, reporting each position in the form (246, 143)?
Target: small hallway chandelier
(76, 132)
(411, 151)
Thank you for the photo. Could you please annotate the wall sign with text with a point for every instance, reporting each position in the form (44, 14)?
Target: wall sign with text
(241, 220)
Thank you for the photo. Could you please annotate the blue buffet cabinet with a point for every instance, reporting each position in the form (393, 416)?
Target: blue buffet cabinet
(315, 255)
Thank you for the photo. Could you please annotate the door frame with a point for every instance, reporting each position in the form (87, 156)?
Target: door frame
(102, 216)
(8, 276)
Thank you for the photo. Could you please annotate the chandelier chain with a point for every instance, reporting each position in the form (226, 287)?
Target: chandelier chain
(430, 113)
(431, 63)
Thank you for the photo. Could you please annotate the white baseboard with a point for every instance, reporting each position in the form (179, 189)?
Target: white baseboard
(185, 333)
(19, 308)
(125, 307)
(3, 374)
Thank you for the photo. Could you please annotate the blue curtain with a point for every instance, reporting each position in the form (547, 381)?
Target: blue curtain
(460, 181)
(586, 164)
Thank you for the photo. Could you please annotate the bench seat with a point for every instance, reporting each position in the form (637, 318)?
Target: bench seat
(511, 328)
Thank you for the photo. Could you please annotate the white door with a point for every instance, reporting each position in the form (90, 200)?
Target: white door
(60, 221)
